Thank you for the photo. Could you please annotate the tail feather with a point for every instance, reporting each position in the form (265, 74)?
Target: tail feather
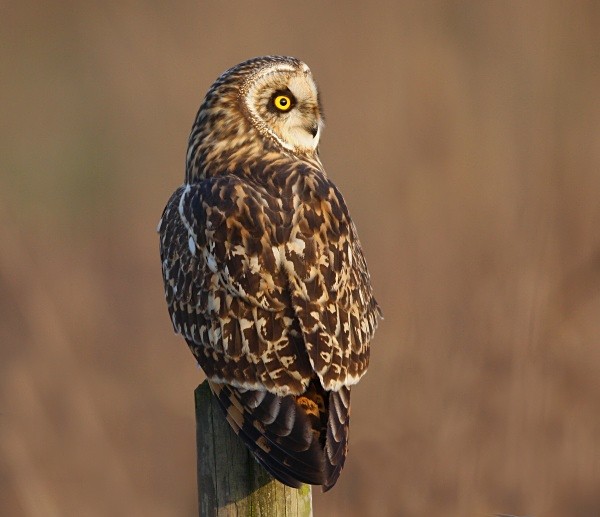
(336, 446)
(293, 463)
(279, 416)
(298, 439)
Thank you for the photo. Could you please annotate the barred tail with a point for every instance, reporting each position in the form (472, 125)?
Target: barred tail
(297, 438)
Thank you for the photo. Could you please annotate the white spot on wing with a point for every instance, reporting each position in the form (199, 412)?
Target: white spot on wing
(186, 223)
(254, 264)
(212, 263)
(277, 255)
(297, 246)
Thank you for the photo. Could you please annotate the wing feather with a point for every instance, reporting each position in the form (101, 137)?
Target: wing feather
(242, 281)
(330, 285)
(224, 289)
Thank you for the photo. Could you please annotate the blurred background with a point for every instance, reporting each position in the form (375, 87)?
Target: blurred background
(465, 137)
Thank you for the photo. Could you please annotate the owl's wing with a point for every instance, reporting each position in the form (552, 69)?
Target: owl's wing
(226, 292)
(329, 284)
(251, 291)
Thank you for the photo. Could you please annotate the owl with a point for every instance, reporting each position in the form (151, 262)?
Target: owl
(263, 272)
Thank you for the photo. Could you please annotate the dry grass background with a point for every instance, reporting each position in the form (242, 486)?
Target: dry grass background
(466, 139)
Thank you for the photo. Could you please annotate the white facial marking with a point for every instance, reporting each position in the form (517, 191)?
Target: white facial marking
(293, 130)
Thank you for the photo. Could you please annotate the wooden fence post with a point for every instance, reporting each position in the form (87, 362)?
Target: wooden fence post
(230, 481)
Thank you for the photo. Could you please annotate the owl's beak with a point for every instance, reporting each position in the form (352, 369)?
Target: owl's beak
(313, 129)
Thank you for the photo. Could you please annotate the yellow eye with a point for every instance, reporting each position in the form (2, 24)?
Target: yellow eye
(282, 102)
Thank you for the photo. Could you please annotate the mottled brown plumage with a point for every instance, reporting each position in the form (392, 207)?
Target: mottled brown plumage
(264, 274)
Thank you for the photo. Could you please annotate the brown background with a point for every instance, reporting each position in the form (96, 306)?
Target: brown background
(466, 139)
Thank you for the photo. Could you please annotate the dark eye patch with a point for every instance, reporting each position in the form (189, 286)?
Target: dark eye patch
(285, 92)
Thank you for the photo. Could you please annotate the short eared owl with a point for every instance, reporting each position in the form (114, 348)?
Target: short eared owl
(264, 274)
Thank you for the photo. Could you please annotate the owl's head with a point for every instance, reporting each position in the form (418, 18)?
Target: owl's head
(264, 104)
(282, 100)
